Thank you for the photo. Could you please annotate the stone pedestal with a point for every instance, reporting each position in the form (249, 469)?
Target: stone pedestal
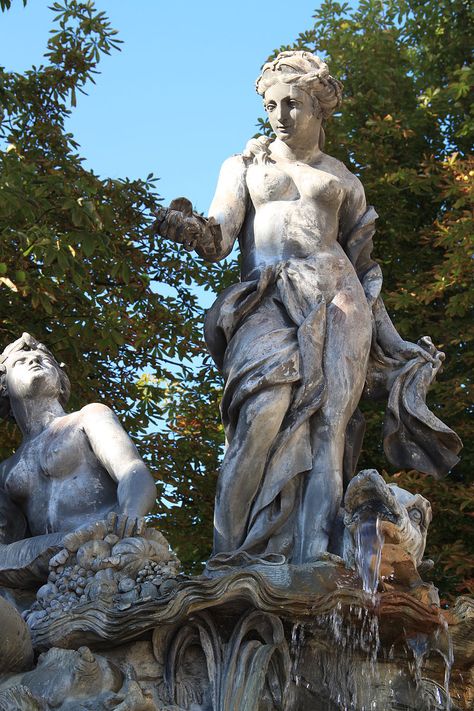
(251, 640)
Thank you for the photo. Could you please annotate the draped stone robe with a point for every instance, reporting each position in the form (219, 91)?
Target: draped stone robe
(269, 331)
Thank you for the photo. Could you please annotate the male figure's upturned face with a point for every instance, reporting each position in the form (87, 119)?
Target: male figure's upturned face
(292, 114)
(31, 373)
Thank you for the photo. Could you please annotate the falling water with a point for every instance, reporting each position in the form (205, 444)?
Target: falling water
(369, 542)
(443, 644)
(419, 644)
(430, 696)
(296, 648)
(355, 632)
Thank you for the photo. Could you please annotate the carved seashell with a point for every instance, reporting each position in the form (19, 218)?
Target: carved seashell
(151, 534)
(91, 554)
(136, 553)
(74, 540)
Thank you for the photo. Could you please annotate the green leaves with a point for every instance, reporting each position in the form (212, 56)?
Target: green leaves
(6, 4)
(79, 268)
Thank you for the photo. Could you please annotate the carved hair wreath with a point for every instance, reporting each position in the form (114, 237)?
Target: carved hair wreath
(308, 72)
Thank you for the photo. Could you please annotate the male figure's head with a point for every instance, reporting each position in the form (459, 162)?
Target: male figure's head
(28, 370)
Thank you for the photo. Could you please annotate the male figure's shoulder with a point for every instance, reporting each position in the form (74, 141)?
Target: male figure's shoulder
(93, 414)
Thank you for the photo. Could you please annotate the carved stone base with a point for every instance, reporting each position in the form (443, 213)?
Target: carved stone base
(248, 642)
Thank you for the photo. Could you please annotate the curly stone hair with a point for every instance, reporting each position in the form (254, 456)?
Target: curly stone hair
(28, 343)
(307, 72)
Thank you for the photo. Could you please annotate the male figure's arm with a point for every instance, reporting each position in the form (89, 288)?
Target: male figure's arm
(118, 455)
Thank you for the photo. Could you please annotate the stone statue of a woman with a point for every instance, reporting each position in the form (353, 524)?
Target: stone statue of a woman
(304, 333)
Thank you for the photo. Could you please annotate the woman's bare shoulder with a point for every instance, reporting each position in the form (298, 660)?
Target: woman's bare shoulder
(339, 169)
(236, 163)
(92, 414)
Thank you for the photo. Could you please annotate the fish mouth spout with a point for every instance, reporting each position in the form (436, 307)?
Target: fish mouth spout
(368, 496)
(374, 508)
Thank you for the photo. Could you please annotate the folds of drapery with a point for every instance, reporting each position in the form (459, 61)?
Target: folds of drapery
(23, 561)
(271, 331)
(413, 437)
(262, 334)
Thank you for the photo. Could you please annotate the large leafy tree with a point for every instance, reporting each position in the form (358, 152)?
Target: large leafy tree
(81, 271)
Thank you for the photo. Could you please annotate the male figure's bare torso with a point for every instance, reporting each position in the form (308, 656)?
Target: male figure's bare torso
(56, 478)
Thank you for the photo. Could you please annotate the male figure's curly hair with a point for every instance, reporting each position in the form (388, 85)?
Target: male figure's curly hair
(28, 343)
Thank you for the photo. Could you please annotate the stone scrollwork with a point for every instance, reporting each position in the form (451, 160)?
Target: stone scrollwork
(248, 670)
(68, 680)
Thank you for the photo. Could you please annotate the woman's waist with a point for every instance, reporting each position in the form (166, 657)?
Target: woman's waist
(328, 263)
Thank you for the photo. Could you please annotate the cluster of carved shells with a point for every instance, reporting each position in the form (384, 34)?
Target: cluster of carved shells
(122, 571)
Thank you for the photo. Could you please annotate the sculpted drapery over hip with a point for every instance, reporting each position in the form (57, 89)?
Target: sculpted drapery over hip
(304, 334)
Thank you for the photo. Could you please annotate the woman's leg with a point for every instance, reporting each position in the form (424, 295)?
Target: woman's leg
(346, 352)
(239, 480)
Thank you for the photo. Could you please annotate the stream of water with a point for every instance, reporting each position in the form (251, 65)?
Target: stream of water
(351, 658)
(369, 540)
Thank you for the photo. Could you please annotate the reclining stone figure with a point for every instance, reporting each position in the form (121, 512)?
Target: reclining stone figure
(69, 471)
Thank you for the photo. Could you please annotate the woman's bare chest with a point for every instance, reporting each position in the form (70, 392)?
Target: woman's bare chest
(55, 454)
(294, 181)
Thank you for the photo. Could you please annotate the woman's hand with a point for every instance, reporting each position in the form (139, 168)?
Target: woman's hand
(177, 226)
(425, 349)
(179, 223)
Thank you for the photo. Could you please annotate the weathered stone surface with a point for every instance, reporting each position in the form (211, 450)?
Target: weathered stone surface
(70, 470)
(97, 567)
(280, 621)
(16, 650)
(242, 633)
(304, 333)
(395, 524)
(68, 680)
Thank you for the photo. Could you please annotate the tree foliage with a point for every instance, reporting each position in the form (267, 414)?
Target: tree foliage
(80, 269)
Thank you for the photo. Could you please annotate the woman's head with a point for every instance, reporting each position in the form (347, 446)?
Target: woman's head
(299, 87)
(307, 72)
(27, 368)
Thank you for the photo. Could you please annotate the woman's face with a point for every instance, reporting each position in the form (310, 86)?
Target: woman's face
(30, 373)
(292, 114)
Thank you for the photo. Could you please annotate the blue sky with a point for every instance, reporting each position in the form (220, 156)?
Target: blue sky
(179, 98)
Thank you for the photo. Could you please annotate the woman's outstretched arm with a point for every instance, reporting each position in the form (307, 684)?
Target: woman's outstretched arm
(212, 237)
(116, 452)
